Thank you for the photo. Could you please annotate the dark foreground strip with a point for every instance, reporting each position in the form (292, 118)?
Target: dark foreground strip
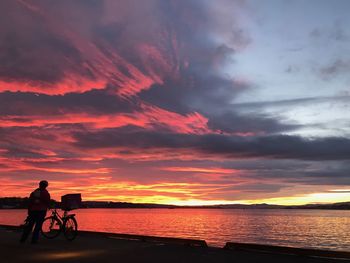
(165, 240)
(288, 250)
(202, 243)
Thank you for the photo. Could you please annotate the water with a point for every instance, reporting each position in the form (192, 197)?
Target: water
(323, 229)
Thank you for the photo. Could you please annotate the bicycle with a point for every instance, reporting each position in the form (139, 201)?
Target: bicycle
(55, 224)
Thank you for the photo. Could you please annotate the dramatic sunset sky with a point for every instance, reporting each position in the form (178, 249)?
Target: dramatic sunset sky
(176, 101)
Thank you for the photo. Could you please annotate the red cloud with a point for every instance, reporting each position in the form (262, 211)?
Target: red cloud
(150, 118)
(78, 85)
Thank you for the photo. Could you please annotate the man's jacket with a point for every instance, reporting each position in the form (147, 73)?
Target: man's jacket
(39, 200)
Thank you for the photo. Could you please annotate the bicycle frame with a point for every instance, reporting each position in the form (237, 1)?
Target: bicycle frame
(65, 223)
(60, 218)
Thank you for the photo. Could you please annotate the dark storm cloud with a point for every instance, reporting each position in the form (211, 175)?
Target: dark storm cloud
(251, 124)
(287, 171)
(275, 147)
(204, 93)
(314, 173)
(267, 165)
(29, 49)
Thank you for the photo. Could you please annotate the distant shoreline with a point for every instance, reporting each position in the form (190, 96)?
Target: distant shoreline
(21, 203)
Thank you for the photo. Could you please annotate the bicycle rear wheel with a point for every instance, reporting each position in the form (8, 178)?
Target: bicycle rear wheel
(70, 229)
(51, 227)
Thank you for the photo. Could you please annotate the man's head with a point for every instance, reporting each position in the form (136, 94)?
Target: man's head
(43, 184)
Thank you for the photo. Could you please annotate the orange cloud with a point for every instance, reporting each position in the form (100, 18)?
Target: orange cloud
(107, 190)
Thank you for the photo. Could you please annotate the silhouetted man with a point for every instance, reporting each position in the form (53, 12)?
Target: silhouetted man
(39, 201)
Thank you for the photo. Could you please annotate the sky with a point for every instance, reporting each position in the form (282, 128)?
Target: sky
(187, 102)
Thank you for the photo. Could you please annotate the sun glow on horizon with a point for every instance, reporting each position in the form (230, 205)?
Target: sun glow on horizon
(313, 198)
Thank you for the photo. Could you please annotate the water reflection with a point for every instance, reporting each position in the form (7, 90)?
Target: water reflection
(300, 228)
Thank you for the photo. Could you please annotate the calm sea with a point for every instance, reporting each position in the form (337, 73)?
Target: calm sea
(322, 229)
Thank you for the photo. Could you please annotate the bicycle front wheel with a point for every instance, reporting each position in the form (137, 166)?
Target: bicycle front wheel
(70, 230)
(51, 227)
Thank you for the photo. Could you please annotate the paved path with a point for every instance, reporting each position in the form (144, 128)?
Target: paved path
(101, 249)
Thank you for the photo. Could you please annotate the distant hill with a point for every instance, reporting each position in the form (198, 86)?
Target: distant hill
(335, 206)
(20, 203)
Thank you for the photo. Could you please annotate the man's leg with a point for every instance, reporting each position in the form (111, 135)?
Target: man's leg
(39, 219)
(28, 228)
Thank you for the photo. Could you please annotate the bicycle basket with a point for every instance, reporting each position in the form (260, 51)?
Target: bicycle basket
(70, 201)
